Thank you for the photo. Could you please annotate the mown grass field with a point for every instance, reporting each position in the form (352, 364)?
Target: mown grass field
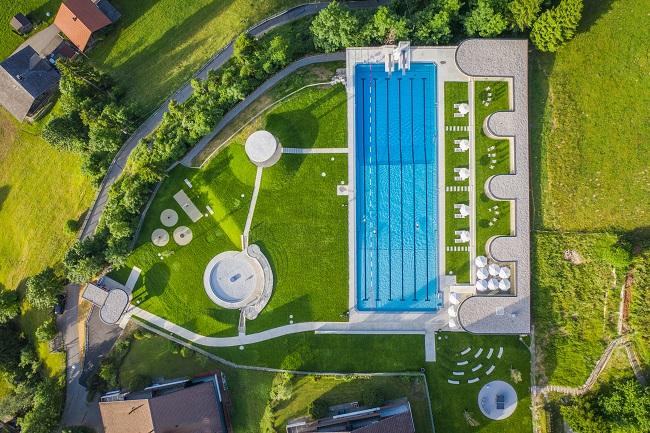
(35, 10)
(590, 138)
(299, 221)
(492, 158)
(575, 306)
(456, 262)
(159, 44)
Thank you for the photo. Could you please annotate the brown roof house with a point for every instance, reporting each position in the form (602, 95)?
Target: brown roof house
(392, 417)
(80, 20)
(181, 406)
(27, 82)
(21, 24)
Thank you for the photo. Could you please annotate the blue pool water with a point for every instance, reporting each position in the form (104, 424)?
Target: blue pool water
(396, 184)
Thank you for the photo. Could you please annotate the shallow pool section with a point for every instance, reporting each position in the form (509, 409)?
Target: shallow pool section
(396, 184)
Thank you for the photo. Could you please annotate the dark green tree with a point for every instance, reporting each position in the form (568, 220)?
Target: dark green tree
(43, 417)
(524, 13)
(334, 28)
(556, 26)
(85, 259)
(385, 28)
(276, 55)
(433, 25)
(46, 331)
(628, 406)
(66, 132)
(583, 416)
(43, 288)
(486, 19)
(9, 307)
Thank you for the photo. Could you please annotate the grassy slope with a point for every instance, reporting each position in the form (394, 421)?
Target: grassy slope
(455, 262)
(485, 211)
(159, 44)
(593, 145)
(297, 209)
(640, 307)
(575, 306)
(35, 11)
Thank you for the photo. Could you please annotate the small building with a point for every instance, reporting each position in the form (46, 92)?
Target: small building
(111, 302)
(21, 24)
(198, 405)
(80, 20)
(49, 44)
(392, 417)
(27, 82)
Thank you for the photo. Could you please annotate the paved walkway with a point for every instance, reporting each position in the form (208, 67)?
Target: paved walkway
(182, 94)
(251, 209)
(369, 327)
(314, 150)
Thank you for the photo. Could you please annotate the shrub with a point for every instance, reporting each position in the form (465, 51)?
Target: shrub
(43, 417)
(485, 20)
(72, 226)
(433, 25)
(85, 259)
(385, 28)
(66, 132)
(43, 288)
(46, 331)
(524, 13)
(556, 26)
(9, 307)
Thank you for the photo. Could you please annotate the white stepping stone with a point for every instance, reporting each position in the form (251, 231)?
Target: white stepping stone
(462, 362)
(478, 353)
(490, 352)
(476, 379)
(478, 367)
(500, 354)
(466, 351)
(458, 373)
(453, 382)
(490, 370)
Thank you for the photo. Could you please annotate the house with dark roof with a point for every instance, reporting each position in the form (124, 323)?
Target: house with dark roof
(392, 417)
(21, 24)
(80, 20)
(27, 82)
(197, 405)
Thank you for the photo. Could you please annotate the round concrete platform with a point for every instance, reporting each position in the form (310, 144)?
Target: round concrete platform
(114, 306)
(183, 235)
(169, 217)
(160, 237)
(488, 398)
(263, 149)
(233, 279)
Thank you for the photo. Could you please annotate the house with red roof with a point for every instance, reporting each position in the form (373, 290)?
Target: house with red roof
(80, 20)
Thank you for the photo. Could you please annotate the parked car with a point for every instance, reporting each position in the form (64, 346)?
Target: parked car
(59, 308)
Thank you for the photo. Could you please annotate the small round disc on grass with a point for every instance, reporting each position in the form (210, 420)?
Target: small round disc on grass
(183, 235)
(168, 217)
(160, 237)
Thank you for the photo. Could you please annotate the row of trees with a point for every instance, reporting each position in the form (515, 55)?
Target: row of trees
(181, 127)
(32, 397)
(440, 21)
(93, 121)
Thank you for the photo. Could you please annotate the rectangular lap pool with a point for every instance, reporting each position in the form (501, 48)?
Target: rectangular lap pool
(396, 185)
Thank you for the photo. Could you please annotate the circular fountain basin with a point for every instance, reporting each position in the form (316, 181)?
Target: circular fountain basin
(233, 279)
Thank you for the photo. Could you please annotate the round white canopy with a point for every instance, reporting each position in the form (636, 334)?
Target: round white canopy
(452, 311)
(481, 261)
(464, 236)
(481, 285)
(453, 299)
(464, 173)
(463, 210)
(464, 144)
(497, 400)
(482, 273)
(504, 272)
(494, 269)
(452, 323)
(493, 284)
(261, 147)
(463, 108)
(504, 285)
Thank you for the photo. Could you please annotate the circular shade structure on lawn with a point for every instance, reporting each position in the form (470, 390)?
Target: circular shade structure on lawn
(482, 273)
(168, 217)
(263, 149)
(504, 272)
(481, 285)
(481, 261)
(497, 400)
(160, 237)
(183, 235)
(504, 285)
(233, 279)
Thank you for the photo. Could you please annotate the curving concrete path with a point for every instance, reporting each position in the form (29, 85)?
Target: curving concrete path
(181, 95)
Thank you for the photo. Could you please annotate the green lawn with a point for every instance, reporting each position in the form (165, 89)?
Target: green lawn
(492, 158)
(456, 262)
(299, 221)
(35, 10)
(450, 401)
(640, 307)
(590, 138)
(575, 306)
(159, 44)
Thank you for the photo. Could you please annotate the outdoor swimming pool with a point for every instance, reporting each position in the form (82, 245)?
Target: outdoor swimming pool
(396, 184)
